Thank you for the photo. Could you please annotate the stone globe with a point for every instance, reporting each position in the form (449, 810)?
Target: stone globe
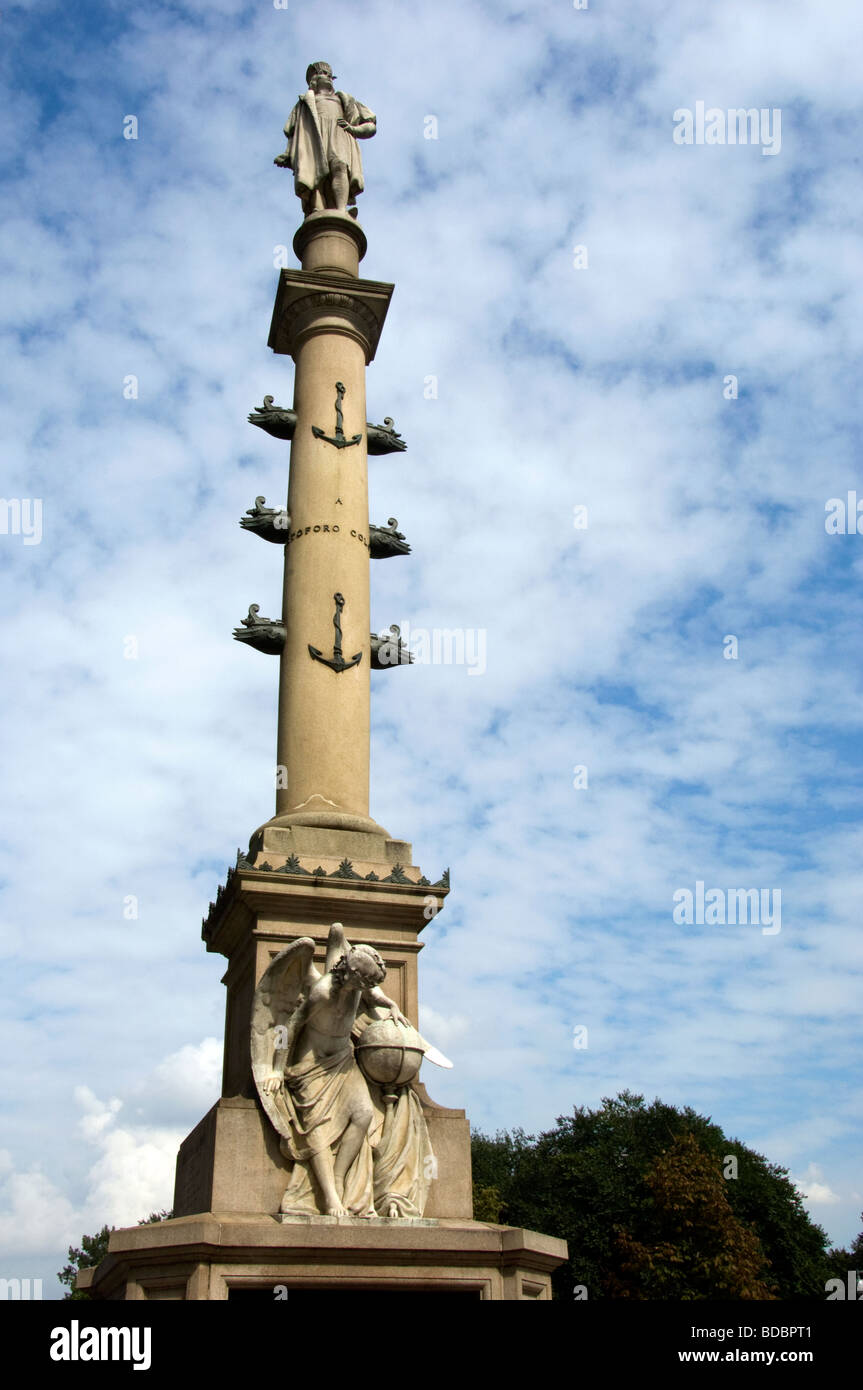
(389, 1053)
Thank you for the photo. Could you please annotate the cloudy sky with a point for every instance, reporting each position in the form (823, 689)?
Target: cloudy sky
(664, 334)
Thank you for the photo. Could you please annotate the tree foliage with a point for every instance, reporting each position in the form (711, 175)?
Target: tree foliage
(856, 1251)
(647, 1198)
(697, 1247)
(93, 1249)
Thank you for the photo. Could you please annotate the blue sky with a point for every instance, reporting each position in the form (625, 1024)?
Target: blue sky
(557, 388)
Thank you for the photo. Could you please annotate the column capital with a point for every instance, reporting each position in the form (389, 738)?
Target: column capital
(311, 302)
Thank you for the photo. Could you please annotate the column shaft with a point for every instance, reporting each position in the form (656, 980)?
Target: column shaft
(323, 739)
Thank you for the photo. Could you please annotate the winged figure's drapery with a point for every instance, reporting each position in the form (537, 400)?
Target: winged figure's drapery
(391, 1173)
(313, 1107)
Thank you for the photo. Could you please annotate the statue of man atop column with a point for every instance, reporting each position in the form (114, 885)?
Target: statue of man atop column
(322, 133)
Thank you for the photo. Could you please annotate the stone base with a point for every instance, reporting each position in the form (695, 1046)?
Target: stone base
(330, 241)
(231, 1162)
(289, 1218)
(218, 1256)
(327, 840)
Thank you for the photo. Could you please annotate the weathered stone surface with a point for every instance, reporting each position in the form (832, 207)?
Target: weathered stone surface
(208, 1256)
(231, 1162)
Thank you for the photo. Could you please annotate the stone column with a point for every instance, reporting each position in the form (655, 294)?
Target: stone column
(329, 320)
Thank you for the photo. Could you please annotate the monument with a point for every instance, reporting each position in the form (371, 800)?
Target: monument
(325, 1166)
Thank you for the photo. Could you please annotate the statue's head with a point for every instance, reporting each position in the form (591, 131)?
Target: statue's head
(360, 966)
(319, 74)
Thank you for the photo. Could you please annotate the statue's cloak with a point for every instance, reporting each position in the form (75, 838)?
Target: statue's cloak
(309, 153)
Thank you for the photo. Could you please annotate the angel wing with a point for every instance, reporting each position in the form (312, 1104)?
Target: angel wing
(277, 1014)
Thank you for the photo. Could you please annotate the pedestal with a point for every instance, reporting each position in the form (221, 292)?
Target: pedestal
(297, 882)
(226, 1240)
(219, 1256)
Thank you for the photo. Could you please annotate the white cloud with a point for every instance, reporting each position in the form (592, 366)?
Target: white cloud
(34, 1215)
(814, 1190)
(129, 1162)
(134, 1173)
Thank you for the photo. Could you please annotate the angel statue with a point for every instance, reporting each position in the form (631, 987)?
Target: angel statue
(332, 1057)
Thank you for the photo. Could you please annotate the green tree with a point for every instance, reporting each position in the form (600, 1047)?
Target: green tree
(697, 1247)
(856, 1251)
(586, 1181)
(841, 1260)
(93, 1249)
(496, 1160)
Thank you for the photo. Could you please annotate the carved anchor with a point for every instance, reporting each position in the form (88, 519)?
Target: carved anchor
(338, 663)
(340, 441)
